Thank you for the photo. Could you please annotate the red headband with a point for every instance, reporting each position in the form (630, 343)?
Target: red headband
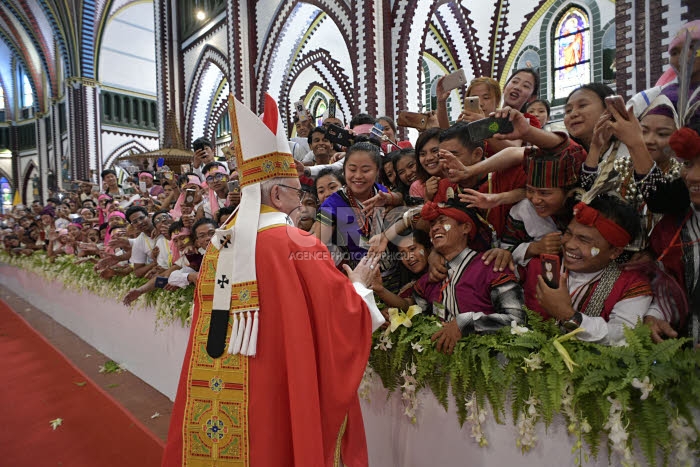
(591, 217)
(685, 142)
(432, 211)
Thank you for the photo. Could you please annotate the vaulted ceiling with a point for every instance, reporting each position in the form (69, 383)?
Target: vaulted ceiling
(52, 40)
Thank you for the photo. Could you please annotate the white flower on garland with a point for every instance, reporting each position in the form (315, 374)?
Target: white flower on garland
(533, 363)
(366, 383)
(519, 330)
(476, 417)
(408, 392)
(384, 342)
(683, 435)
(417, 347)
(617, 433)
(527, 439)
(644, 385)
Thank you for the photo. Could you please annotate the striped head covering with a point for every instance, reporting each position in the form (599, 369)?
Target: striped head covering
(551, 171)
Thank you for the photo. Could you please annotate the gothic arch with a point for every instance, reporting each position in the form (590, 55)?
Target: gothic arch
(209, 57)
(26, 178)
(131, 146)
(338, 12)
(343, 88)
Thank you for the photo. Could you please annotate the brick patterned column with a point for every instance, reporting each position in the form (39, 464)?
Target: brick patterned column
(83, 128)
(657, 51)
(692, 10)
(623, 39)
(640, 46)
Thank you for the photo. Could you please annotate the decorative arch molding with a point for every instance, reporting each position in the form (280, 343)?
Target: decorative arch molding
(26, 177)
(337, 11)
(33, 31)
(60, 38)
(210, 56)
(468, 34)
(35, 77)
(411, 21)
(9, 179)
(526, 49)
(219, 106)
(131, 146)
(334, 74)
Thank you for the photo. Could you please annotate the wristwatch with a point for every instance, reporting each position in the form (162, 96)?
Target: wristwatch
(574, 322)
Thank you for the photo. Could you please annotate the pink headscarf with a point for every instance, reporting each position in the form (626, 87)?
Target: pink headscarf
(111, 215)
(174, 251)
(213, 198)
(100, 211)
(693, 27)
(176, 212)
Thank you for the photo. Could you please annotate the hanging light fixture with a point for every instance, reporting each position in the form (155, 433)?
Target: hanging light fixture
(200, 11)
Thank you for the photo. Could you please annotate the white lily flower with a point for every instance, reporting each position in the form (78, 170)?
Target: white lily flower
(644, 385)
(515, 329)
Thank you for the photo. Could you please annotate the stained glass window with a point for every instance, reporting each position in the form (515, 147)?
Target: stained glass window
(572, 60)
(6, 194)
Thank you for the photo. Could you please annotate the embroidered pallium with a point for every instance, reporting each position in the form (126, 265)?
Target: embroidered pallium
(215, 428)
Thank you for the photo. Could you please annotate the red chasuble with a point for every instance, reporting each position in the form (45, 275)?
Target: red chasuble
(295, 403)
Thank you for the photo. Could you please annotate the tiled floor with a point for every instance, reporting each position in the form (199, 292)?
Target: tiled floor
(136, 396)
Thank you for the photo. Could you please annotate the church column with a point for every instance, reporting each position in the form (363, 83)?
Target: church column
(242, 44)
(42, 152)
(83, 102)
(369, 75)
(55, 158)
(170, 88)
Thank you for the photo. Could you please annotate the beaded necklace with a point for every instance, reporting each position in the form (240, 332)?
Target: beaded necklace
(627, 187)
(362, 220)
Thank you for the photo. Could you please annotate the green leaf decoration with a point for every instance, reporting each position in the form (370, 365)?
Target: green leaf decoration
(505, 370)
(80, 383)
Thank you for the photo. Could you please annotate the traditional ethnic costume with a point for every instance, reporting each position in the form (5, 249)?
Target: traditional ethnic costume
(480, 299)
(523, 224)
(280, 338)
(351, 228)
(608, 299)
(676, 238)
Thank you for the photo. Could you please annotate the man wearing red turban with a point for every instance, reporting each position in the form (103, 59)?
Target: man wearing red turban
(594, 293)
(472, 298)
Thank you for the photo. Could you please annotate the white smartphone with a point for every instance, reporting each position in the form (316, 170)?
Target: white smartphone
(454, 80)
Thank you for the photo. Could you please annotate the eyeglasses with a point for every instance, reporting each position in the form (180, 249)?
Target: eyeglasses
(301, 193)
(216, 177)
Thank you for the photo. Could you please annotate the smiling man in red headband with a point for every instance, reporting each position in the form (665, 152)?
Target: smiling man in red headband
(472, 298)
(594, 293)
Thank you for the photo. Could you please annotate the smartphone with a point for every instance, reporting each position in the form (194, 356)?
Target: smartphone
(168, 174)
(618, 103)
(551, 265)
(472, 104)
(161, 282)
(331, 108)
(142, 187)
(184, 168)
(454, 80)
(234, 186)
(487, 127)
(189, 197)
(377, 131)
(412, 120)
(195, 260)
(339, 135)
(301, 111)
(197, 145)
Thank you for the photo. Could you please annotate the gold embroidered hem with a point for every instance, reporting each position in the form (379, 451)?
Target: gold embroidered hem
(215, 426)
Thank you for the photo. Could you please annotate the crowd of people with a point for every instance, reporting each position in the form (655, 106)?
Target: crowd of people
(596, 227)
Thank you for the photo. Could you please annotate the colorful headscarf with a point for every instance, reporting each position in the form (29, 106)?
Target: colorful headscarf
(551, 171)
(432, 211)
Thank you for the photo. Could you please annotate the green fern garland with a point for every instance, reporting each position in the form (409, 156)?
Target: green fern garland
(493, 368)
(170, 307)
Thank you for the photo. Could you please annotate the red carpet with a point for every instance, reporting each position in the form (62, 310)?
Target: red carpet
(38, 385)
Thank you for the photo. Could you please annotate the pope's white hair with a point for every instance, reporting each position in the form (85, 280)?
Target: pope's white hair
(266, 188)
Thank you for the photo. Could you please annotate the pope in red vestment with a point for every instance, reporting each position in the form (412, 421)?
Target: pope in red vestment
(291, 398)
